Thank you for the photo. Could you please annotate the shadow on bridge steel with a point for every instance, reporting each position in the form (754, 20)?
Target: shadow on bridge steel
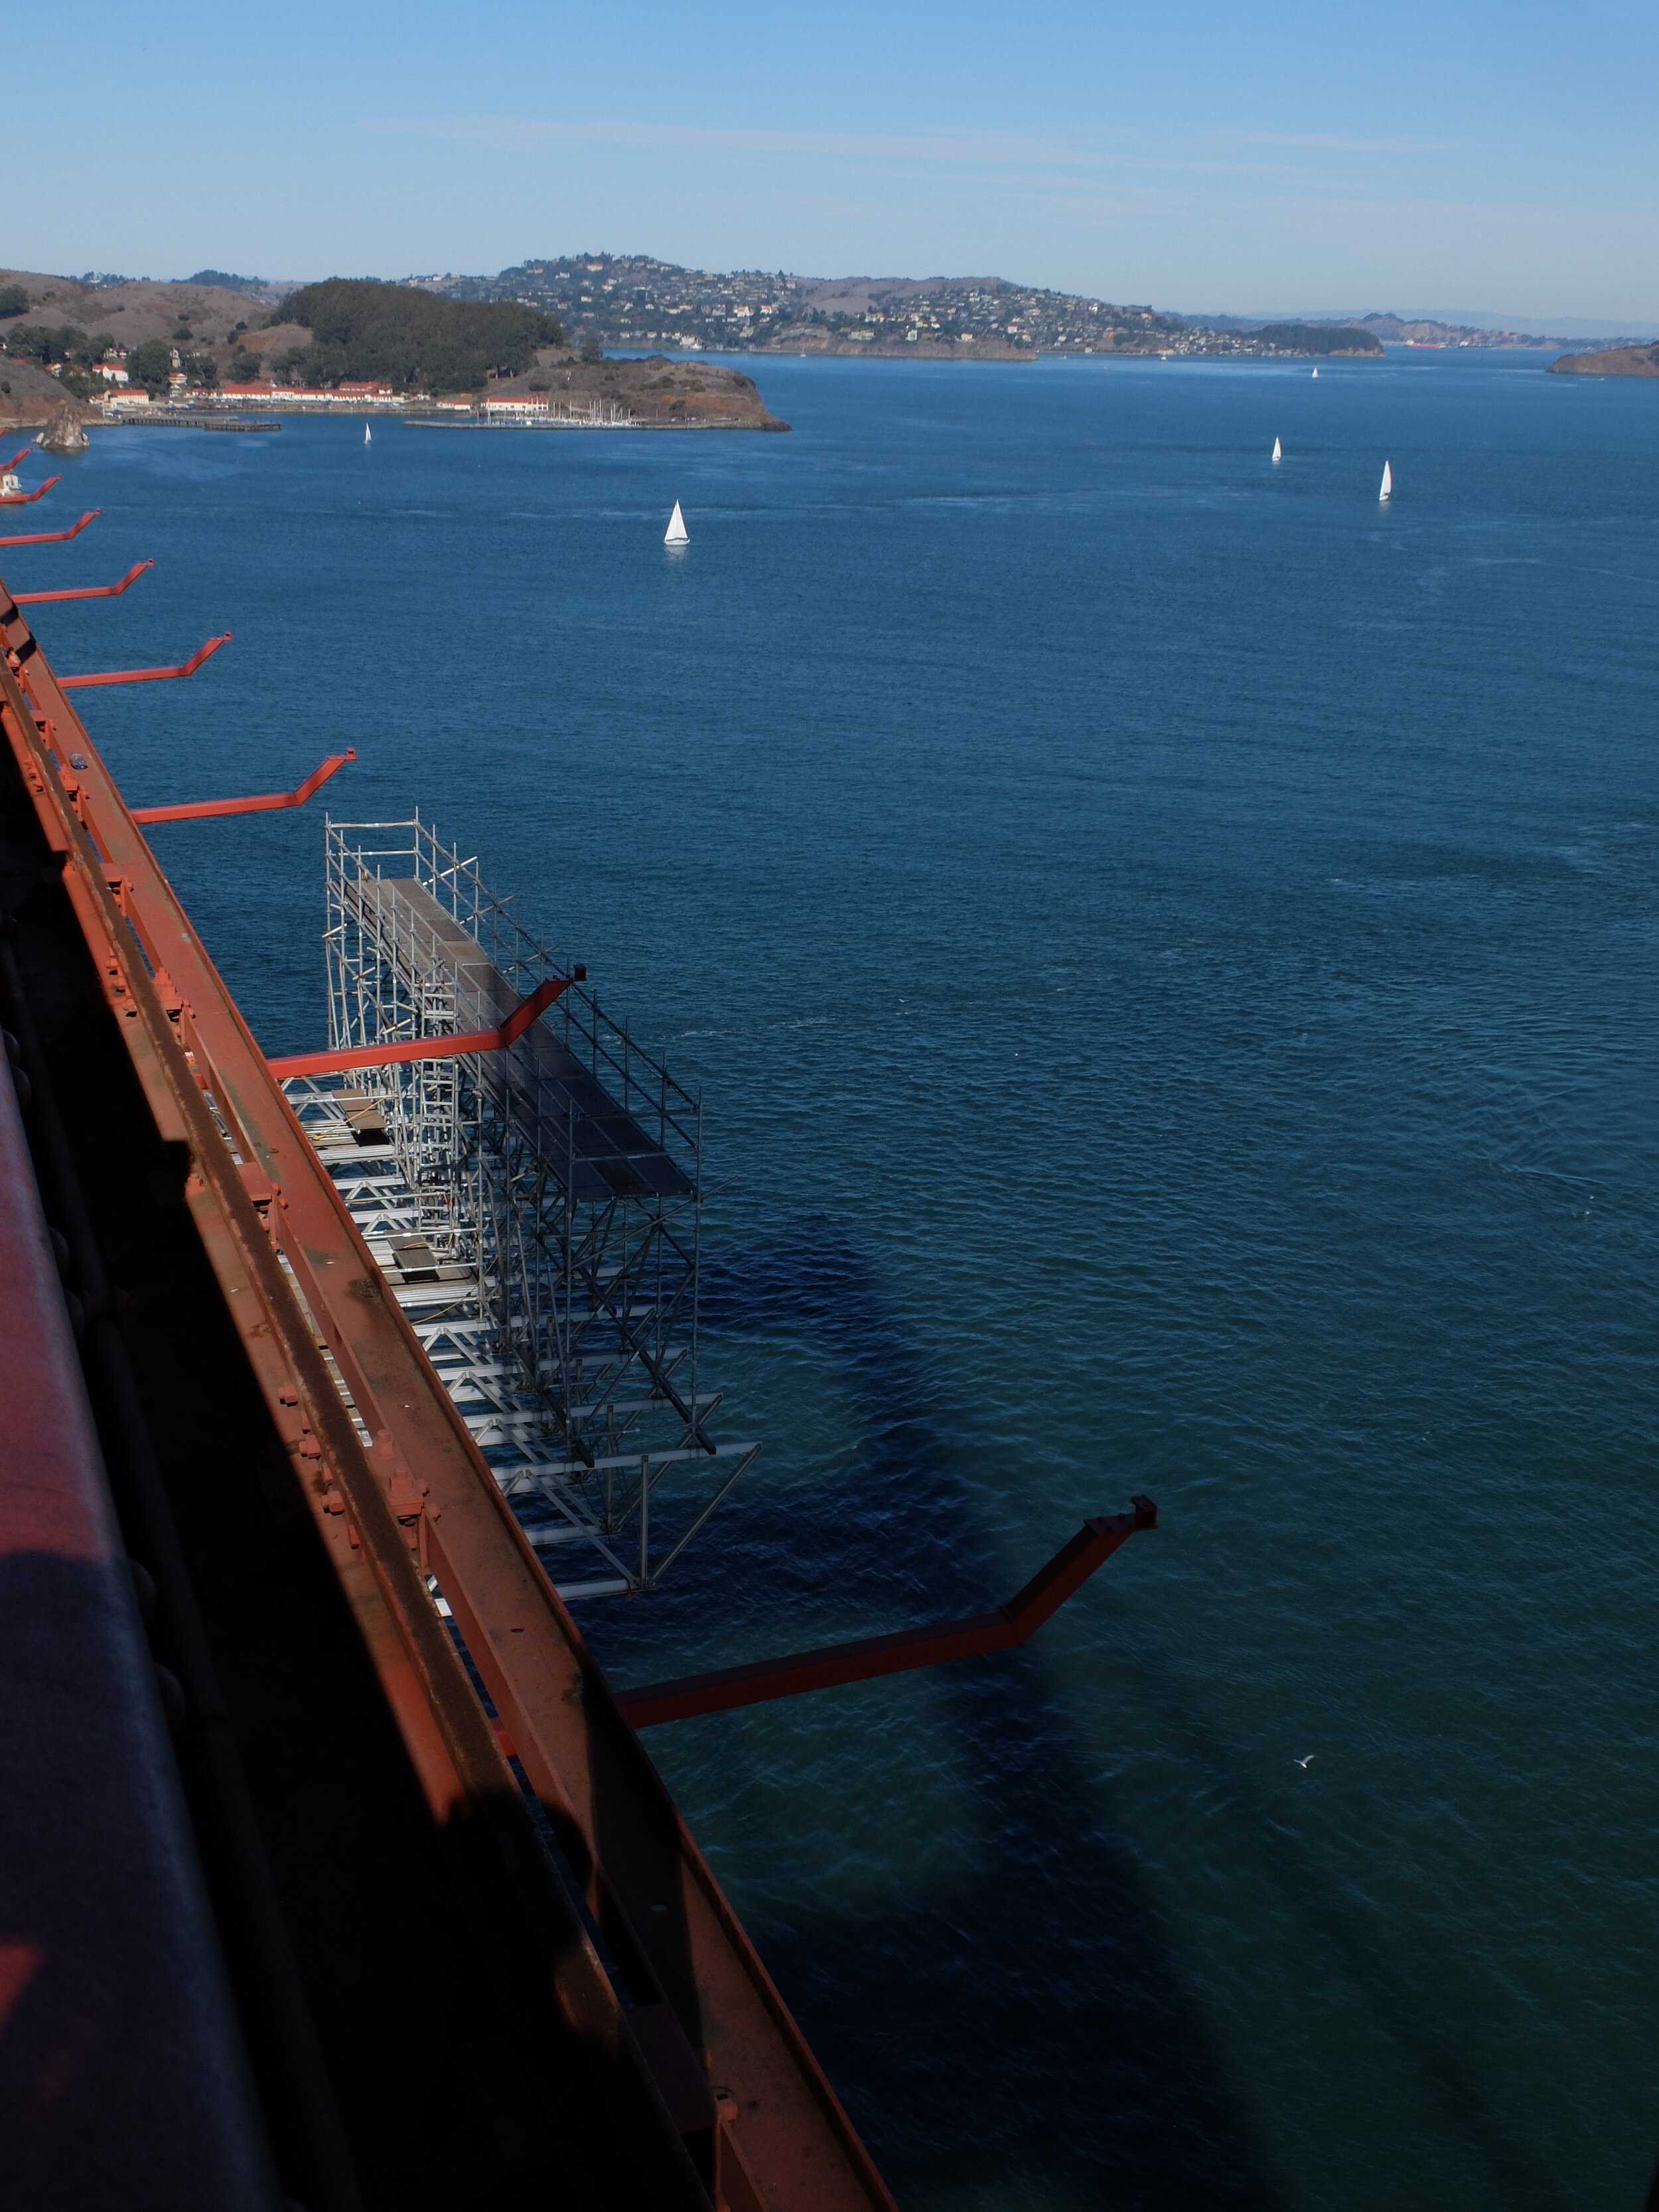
(1021, 2034)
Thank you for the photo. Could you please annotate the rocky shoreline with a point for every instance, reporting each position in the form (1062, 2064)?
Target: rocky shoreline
(657, 392)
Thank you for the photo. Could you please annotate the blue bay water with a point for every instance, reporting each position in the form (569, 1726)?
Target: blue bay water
(1168, 947)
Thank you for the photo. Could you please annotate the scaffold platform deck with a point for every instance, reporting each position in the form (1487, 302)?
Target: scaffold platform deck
(535, 1210)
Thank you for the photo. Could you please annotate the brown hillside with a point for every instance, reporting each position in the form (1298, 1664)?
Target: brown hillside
(134, 313)
(28, 397)
(1621, 360)
(654, 390)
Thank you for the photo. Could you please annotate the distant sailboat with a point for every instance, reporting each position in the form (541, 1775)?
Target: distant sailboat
(369, 435)
(1315, 371)
(677, 533)
(1279, 451)
(1387, 491)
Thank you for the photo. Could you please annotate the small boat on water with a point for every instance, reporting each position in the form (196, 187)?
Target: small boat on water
(1315, 371)
(1279, 451)
(677, 533)
(369, 435)
(1387, 492)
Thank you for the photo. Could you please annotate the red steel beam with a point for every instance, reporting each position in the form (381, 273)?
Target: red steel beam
(871, 1655)
(443, 1047)
(6, 467)
(55, 537)
(25, 498)
(201, 810)
(87, 590)
(145, 675)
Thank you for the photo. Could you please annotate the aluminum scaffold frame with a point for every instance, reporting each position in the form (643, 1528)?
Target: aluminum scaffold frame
(536, 1210)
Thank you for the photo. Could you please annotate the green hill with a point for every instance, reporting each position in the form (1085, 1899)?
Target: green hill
(1318, 337)
(413, 340)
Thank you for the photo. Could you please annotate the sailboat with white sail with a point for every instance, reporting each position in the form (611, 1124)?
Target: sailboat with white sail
(369, 435)
(677, 533)
(1279, 451)
(1315, 371)
(1387, 492)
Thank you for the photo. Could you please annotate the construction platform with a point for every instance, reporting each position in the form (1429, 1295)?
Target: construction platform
(536, 1210)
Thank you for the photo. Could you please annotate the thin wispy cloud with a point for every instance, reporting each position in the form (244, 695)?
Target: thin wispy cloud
(1311, 143)
(518, 132)
(998, 154)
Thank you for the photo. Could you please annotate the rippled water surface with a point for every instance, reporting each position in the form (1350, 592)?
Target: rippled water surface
(1168, 948)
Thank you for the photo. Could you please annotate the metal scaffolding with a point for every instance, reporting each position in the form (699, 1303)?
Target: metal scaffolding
(535, 1210)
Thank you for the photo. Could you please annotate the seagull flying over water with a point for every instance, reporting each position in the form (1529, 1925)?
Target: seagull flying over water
(1304, 1764)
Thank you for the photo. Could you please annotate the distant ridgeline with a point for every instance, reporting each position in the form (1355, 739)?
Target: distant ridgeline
(221, 281)
(409, 338)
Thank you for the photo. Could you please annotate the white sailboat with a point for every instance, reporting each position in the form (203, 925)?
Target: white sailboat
(1315, 371)
(1279, 451)
(677, 533)
(369, 435)
(1387, 491)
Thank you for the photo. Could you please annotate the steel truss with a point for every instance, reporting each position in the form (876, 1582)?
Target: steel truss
(535, 1210)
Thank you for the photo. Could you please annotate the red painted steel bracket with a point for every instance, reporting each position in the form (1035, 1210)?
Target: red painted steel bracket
(201, 810)
(55, 537)
(87, 590)
(441, 1047)
(26, 498)
(6, 467)
(872, 1656)
(145, 675)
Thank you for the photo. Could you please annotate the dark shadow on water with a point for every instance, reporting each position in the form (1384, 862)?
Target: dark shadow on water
(1029, 2035)
(1028, 2032)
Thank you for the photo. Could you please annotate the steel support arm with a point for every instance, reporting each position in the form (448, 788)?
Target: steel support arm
(55, 537)
(87, 590)
(145, 675)
(6, 467)
(26, 498)
(201, 810)
(1011, 1623)
(440, 1048)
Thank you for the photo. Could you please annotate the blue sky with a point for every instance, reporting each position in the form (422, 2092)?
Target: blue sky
(1237, 158)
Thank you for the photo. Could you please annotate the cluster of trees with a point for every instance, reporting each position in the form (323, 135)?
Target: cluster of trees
(14, 300)
(413, 341)
(151, 365)
(35, 342)
(68, 349)
(73, 353)
(1318, 337)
